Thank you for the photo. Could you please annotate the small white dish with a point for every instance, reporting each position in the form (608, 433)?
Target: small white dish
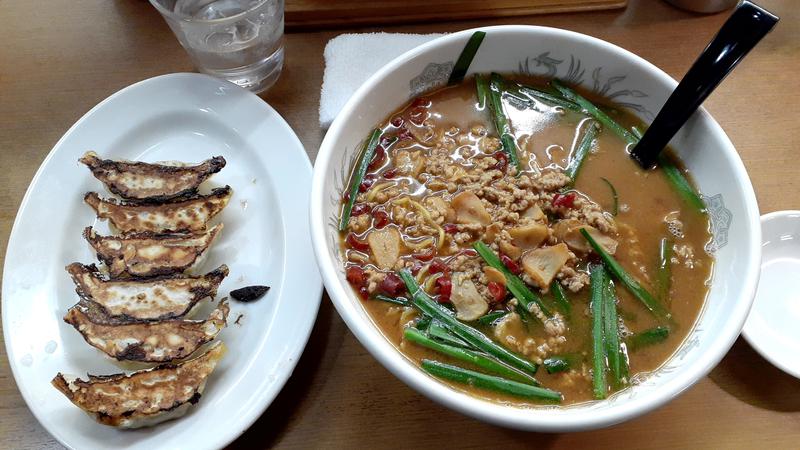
(185, 117)
(771, 327)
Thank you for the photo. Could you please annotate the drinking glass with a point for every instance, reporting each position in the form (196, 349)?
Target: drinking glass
(237, 40)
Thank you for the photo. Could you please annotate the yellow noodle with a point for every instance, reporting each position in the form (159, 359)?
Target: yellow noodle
(425, 214)
(428, 285)
(377, 188)
(422, 272)
(427, 242)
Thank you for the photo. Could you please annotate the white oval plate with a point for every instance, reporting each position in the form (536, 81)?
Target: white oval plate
(185, 117)
(771, 327)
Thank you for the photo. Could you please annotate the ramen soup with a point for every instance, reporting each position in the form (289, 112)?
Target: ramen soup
(538, 264)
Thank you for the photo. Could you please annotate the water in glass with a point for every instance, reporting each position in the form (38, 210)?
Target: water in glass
(238, 40)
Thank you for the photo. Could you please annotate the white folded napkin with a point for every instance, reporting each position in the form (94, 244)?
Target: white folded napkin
(352, 58)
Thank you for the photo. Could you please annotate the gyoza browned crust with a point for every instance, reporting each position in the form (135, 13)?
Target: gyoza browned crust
(143, 398)
(149, 254)
(157, 298)
(190, 214)
(151, 182)
(161, 341)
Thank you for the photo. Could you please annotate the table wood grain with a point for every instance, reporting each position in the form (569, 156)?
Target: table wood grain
(307, 14)
(60, 57)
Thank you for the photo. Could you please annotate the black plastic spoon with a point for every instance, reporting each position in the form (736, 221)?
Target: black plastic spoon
(748, 24)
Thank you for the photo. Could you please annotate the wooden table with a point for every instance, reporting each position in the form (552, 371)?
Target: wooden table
(60, 57)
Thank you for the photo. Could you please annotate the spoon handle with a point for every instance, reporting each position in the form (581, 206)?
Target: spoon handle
(748, 24)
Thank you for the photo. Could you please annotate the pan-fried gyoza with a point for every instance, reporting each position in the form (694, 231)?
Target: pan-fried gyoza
(138, 306)
(191, 214)
(149, 254)
(145, 298)
(144, 341)
(143, 398)
(133, 180)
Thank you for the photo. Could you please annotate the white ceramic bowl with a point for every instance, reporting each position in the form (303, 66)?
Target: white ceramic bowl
(628, 80)
(771, 329)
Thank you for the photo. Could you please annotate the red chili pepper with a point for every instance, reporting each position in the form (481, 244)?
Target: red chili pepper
(381, 218)
(369, 180)
(404, 134)
(397, 121)
(392, 285)
(390, 173)
(346, 196)
(363, 292)
(424, 256)
(450, 228)
(421, 102)
(511, 265)
(353, 242)
(469, 252)
(497, 290)
(438, 266)
(445, 288)
(565, 200)
(377, 158)
(355, 275)
(416, 266)
(502, 161)
(359, 209)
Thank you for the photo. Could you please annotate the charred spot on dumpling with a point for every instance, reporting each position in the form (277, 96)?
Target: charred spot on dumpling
(133, 352)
